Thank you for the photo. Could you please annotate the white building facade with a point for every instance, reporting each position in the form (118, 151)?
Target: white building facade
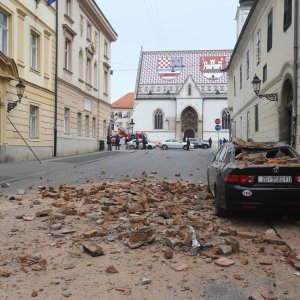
(268, 48)
(84, 61)
(181, 93)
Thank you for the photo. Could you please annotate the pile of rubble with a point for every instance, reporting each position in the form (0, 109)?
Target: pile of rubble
(250, 144)
(177, 216)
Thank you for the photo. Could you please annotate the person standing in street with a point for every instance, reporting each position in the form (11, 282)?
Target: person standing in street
(210, 142)
(126, 142)
(117, 142)
(108, 142)
(137, 141)
(188, 143)
(144, 141)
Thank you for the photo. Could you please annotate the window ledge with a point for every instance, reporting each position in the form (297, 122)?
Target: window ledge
(88, 85)
(34, 139)
(68, 18)
(68, 71)
(80, 80)
(35, 71)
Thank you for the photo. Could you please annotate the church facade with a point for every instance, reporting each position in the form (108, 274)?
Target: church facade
(181, 93)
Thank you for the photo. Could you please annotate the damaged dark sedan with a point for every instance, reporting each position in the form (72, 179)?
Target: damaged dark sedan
(250, 176)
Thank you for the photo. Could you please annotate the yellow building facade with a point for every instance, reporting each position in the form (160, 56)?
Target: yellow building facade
(27, 53)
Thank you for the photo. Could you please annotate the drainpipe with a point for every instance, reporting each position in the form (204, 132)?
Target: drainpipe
(56, 97)
(296, 40)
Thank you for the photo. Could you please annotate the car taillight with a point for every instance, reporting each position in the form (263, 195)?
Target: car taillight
(239, 178)
(297, 178)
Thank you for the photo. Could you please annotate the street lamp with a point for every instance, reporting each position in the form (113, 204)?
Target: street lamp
(20, 87)
(256, 88)
(131, 124)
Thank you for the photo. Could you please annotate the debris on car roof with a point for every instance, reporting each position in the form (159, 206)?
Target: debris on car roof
(253, 145)
(268, 153)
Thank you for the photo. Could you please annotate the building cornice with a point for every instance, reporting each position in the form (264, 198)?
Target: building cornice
(92, 10)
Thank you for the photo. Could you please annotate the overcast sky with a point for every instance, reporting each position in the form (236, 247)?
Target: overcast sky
(158, 25)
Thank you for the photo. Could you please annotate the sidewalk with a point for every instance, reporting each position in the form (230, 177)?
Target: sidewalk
(13, 171)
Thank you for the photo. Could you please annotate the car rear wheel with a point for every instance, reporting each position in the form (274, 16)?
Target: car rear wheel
(205, 146)
(149, 147)
(185, 147)
(131, 147)
(164, 147)
(219, 211)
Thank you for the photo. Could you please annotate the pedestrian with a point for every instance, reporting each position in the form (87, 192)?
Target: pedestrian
(144, 141)
(126, 142)
(220, 142)
(137, 141)
(224, 140)
(188, 143)
(184, 139)
(108, 142)
(117, 142)
(210, 142)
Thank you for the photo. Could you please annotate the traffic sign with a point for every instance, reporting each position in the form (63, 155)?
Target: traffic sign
(218, 127)
(217, 121)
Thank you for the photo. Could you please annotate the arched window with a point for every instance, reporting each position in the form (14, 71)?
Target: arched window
(158, 120)
(190, 90)
(225, 119)
(80, 64)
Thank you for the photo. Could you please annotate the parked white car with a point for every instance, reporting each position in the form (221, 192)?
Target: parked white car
(174, 144)
(132, 144)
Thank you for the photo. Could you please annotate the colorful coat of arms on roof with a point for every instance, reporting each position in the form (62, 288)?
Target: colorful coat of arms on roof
(211, 66)
(169, 67)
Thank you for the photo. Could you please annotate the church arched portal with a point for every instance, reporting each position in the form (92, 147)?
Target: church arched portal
(189, 121)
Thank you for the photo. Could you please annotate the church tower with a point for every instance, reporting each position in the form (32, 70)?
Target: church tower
(241, 14)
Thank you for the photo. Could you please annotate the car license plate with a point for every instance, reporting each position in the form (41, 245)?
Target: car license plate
(274, 179)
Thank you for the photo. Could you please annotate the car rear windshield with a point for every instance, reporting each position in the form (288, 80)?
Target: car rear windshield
(282, 155)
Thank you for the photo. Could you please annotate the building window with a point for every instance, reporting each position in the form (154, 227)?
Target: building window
(95, 75)
(270, 30)
(86, 125)
(241, 76)
(67, 54)
(287, 15)
(105, 48)
(68, 8)
(120, 114)
(88, 70)
(256, 118)
(234, 86)
(158, 120)
(225, 120)
(79, 116)
(248, 64)
(81, 65)
(258, 46)
(89, 32)
(265, 73)
(190, 90)
(106, 81)
(34, 51)
(33, 121)
(3, 33)
(67, 120)
(94, 127)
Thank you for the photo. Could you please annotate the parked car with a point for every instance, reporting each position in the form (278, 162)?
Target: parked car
(174, 144)
(204, 144)
(250, 176)
(199, 143)
(132, 144)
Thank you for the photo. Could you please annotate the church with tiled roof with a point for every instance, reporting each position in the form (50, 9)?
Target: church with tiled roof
(180, 94)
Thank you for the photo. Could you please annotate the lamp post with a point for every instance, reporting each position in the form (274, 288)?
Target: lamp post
(131, 124)
(256, 88)
(20, 87)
